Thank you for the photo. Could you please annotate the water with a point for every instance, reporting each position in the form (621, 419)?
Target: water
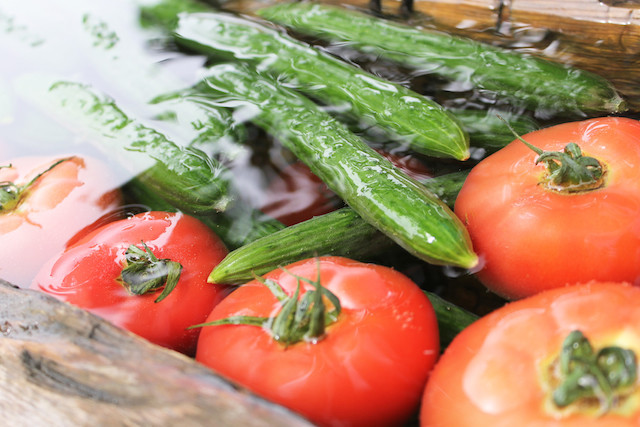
(103, 44)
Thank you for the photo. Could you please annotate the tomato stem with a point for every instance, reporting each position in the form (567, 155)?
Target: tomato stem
(300, 318)
(568, 170)
(146, 273)
(11, 194)
(586, 375)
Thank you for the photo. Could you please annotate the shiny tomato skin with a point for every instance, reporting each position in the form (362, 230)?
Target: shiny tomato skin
(491, 373)
(61, 203)
(530, 238)
(369, 370)
(87, 275)
(297, 195)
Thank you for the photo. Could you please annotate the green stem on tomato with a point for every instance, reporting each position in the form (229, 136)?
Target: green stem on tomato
(146, 273)
(300, 318)
(568, 170)
(11, 194)
(586, 375)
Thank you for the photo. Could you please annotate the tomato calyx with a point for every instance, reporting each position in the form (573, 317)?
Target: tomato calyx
(568, 171)
(145, 273)
(11, 194)
(299, 318)
(590, 379)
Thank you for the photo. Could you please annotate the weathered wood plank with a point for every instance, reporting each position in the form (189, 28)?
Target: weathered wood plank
(62, 366)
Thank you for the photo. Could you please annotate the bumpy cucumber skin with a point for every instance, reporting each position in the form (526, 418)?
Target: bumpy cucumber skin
(397, 205)
(409, 117)
(184, 176)
(534, 82)
(340, 233)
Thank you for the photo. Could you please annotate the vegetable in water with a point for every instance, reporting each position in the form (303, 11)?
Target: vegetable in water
(387, 198)
(408, 116)
(45, 202)
(564, 357)
(339, 233)
(367, 339)
(531, 81)
(567, 211)
(146, 274)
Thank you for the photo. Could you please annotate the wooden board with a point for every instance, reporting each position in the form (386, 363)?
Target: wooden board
(62, 366)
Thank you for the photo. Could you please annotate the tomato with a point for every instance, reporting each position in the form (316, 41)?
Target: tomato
(88, 275)
(44, 216)
(368, 369)
(531, 237)
(506, 369)
(297, 195)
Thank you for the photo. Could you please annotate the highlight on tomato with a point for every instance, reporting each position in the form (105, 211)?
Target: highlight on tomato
(44, 202)
(297, 195)
(147, 274)
(563, 357)
(564, 209)
(338, 341)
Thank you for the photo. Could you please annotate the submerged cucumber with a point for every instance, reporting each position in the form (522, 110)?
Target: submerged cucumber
(341, 233)
(488, 130)
(408, 116)
(185, 177)
(535, 82)
(397, 205)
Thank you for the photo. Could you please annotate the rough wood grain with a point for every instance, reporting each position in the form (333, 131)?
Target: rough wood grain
(61, 366)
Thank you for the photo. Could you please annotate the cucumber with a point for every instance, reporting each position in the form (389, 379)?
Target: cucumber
(397, 205)
(184, 176)
(451, 318)
(342, 233)
(407, 116)
(237, 226)
(529, 81)
(488, 130)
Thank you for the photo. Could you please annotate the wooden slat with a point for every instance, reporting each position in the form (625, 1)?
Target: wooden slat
(62, 366)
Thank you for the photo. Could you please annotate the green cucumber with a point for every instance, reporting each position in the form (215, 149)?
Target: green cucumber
(407, 116)
(451, 318)
(533, 82)
(341, 233)
(488, 130)
(185, 177)
(397, 205)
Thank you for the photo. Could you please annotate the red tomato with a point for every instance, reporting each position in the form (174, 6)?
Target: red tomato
(297, 195)
(88, 275)
(532, 238)
(369, 369)
(503, 369)
(47, 214)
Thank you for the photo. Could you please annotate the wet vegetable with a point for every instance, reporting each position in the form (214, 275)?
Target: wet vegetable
(339, 233)
(297, 195)
(408, 116)
(564, 357)
(184, 176)
(452, 319)
(567, 215)
(487, 129)
(320, 343)
(532, 81)
(146, 274)
(385, 197)
(45, 203)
